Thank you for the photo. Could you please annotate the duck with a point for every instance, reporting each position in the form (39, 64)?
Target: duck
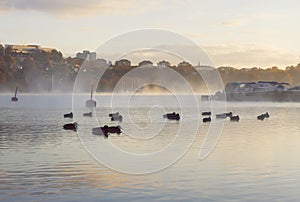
(172, 116)
(113, 114)
(69, 115)
(116, 118)
(206, 113)
(223, 115)
(89, 114)
(235, 118)
(107, 130)
(263, 116)
(207, 119)
(267, 115)
(71, 126)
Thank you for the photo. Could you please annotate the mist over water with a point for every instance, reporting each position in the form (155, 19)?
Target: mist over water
(253, 161)
(45, 101)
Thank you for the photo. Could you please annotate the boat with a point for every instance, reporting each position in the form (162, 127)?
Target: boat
(91, 103)
(15, 99)
(261, 91)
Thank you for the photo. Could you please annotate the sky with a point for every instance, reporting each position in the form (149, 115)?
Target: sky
(238, 33)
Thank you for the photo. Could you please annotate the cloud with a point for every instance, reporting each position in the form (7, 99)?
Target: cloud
(231, 23)
(245, 20)
(250, 56)
(74, 7)
(238, 56)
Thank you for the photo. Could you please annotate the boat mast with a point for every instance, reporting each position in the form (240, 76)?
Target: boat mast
(92, 93)
(132, 85)
(52, 82)
(16, 91)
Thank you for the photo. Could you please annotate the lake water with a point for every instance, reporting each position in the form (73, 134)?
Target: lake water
(253, 160)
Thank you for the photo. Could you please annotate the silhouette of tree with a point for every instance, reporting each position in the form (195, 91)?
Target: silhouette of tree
(56, 56)
(1, 50)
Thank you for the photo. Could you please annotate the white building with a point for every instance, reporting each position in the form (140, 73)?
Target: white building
(92, 56)
(103, 63)
(27, 49)
(87, 55)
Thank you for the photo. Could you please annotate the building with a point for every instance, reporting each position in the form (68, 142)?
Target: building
(84, 55)
(20, 55)
(164, 63)
(25, 49)
(146, 63)
(103, 63)
(92, 56)
(87, 55)
(123, 63)
(81, 56)
(22, 48)
(184, 64)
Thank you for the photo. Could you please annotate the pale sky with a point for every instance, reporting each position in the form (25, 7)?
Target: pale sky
(238, 33)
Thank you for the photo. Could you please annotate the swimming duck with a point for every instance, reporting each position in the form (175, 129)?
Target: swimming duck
(69, 115)
(172, 116)
(71, 126)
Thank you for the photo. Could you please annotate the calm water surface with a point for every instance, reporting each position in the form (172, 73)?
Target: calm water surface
(253, 161)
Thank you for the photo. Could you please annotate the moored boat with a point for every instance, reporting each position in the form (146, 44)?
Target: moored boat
(15, 99)
(91, 103)
(262, 91)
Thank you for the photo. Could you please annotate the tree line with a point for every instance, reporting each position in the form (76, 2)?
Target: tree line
(291, 74)
(36, 72)
(50, 71)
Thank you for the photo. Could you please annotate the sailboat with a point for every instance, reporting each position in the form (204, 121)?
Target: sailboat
(91, 103)
(15, 99)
